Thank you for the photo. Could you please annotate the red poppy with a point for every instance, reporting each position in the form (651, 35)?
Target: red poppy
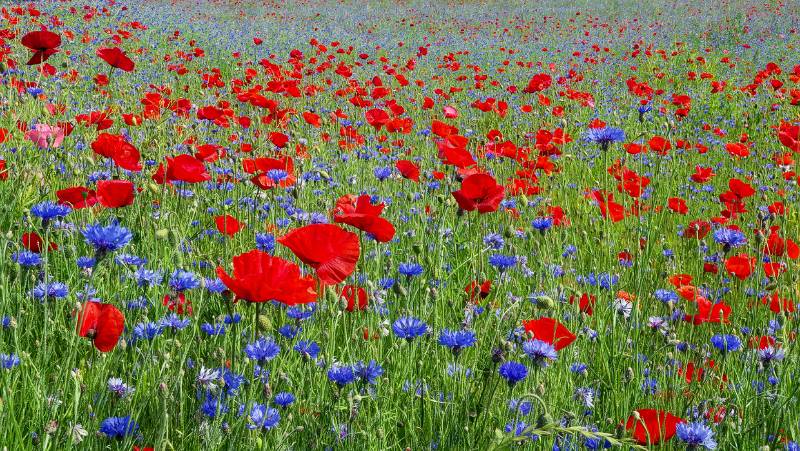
(608, 207)
(362, 215)
(651, 426)
(408, 169)
(677, 205)
(356, 297)
(102, 323)
(228, 225)
(741, 266)
(777, 304)
(702, 175)
(33, 242)
(77, 197)
(585, 303)
(43, 43)
(123, 153)
(481, 192)
(178, 304)
(3, 170)
(478, 290)
(328, 248)
(183, 168)
(115, 193)
(538, 82)
(708, 312)
(116, 58)
(261, 166)
(550, 331)
(260, 277)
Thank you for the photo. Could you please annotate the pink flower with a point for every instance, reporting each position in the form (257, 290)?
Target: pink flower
(450, 112)
(46, 136)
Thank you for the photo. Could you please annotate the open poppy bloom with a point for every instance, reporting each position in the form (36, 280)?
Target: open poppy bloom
(102, 323)
(228, 225)
(123, 153)
(77, 197)
(479, 192)
(43, 43)
(328, 248)
(260, 277)
(115, 193)
(408, 169)
(550, 331)
(271, 172)
(652, 426)
(116, 58)
(183, 168)
(362, 215)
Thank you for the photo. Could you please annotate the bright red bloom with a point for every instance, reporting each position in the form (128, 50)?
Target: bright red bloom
(116, 58)
(777, 304)
(550, 331)
(585, 303)
(43, 44)
(481, 192)
(3, 170)
(124, 154)
(228, 225)
(185, 168)
(408, 169)
(362, 215)
(34, 243)
(328, 248)
(356, 297)
(115, 193)
(77, 197)
(741, 266)
(677, 205)
(652, 426)
(261, 166)
(478, 290)
(260, 277)
(102, 323)
(538, 82)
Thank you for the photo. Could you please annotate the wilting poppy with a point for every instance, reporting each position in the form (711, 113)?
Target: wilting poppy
(102, 323)
(260, 277)
(329, 249)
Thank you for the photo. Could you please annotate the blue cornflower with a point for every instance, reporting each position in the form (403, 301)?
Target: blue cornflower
(301, 313)
(86, 262)
(542, 224)
(262, 350)
(265, 242)
(5, 321)
(284, 399)
(729, 238)
(457, 340)
(696, 435)
(146, 277)
(49, 210)
(107, 238)
(382, 173)
(277, 175)
(289, 331)
(8, 361)
(409, 328)
(174, 322)
(666, 296)
(368, 372)
(341, 375)
(540, 352)
(119, 388)
(308, 349)
(215, 285)
(494, 241)
(146, 331)
(181, 280)
(502, 262)
(118, 427)
(26, 258)
(726, 342)
(513, 372)
(410, 269)
(212, 329)
(234, 319)
(130, 259)
(604, 136)
(212, 406)
(52, 290)
(262, 416)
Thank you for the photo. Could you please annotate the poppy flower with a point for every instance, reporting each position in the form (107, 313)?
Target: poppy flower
(116, 58)
(184, 168)
(538, 82)
(77, 197)
(271, 172)
(777, 304)
(3, 170)
(33, 242)
(102, 323)
(481, 192)
(677, 205)
(115, 193)
(478, 290)
(123, 153)
(43, 43)
(408, 169)
(328, 248)
(228, 225)
(356, 298)
(586, 302)
(550, 331)
(260, 277)
(362, 215)
(741, 266)
(651, 426)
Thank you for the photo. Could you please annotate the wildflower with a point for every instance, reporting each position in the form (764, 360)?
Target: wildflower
(49, 210)
(367, 373)
(410, 269)
(119, 388)
(8, 361)
(183, 280)
(457, 340)
(262, 350)
(284, 399)
(118, 427)
(696, 435)
(513, 372)
(341, 375)
(605, 136)
(726, 343)
(107, 238)
(264, 417)
(409, 328)
(540, 352)
(502, 262)
(308, 349)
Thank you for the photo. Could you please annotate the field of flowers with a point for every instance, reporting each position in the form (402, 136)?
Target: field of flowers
(399, 225)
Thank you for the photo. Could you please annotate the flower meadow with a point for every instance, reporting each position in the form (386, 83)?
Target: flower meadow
(399, 225)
